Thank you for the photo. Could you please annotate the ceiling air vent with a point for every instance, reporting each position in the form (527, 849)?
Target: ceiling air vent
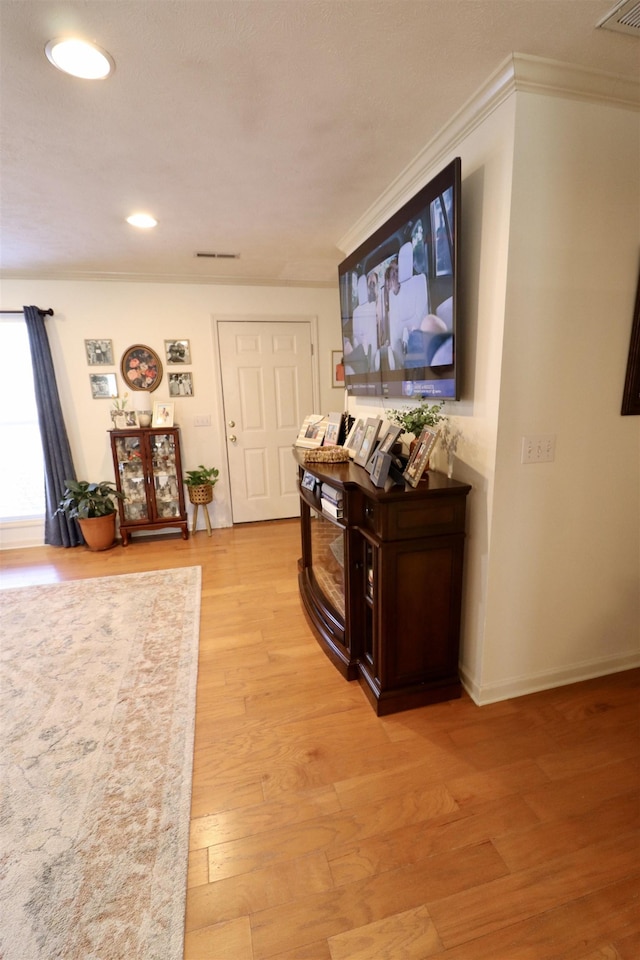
(624, 18)
(219, 256)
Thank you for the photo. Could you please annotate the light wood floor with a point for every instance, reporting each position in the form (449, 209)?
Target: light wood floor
(320, 832)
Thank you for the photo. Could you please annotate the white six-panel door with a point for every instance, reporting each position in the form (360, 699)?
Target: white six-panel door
(267, 388)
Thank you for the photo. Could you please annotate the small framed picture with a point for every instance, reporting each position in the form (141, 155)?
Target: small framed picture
(380, 469)
(181, 384)
(104, 386)
(177, 351)
(354, 440)
(312, 431)
(131, 419)
(389, 439)
(308, 481)
(337, 368)
(371, 430)
(332, 434)
(162, 413)
(420, 456)
(99, 353)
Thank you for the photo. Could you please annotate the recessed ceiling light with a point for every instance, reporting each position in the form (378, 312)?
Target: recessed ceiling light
(143, 220)
(80, 59)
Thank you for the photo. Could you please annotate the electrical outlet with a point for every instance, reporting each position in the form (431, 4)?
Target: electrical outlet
(540, 449)
(202, 421)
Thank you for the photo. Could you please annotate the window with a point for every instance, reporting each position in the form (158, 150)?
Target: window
(22, 476)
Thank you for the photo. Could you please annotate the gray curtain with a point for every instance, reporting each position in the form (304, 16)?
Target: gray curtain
(59, 531)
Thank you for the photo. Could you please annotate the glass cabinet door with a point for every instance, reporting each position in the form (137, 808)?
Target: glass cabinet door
(166, 481)
(132, 482)
(327, 560)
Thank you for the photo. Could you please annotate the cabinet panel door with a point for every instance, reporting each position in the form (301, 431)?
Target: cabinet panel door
(420, 621)
(165, 475)
(130, 460)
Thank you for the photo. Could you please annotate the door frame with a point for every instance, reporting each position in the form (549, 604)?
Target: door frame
(311, 319)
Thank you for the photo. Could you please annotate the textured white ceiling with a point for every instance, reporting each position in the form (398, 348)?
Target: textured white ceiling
(259, 127)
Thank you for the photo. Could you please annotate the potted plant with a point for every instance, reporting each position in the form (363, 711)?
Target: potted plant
(200, 484)
(93, 506)
(417, 418)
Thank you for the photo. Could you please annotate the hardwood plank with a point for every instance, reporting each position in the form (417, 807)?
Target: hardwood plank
(520, 896)
(511, 828)
(410, 935)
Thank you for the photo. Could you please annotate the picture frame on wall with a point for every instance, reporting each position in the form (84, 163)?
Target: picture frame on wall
(104, 386)
(337, 368)
(631, 395)
(141, 368)
(99, 353)
(163, 411)
(181, 384)
(177, 351)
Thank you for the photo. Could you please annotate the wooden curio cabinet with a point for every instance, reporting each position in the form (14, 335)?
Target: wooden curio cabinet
(148, 472)
(381, 582)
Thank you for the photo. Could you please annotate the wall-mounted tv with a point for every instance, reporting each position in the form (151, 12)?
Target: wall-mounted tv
(399, 298)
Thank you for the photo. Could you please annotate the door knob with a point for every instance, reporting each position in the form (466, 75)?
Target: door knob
(232, 423)
(233, 438)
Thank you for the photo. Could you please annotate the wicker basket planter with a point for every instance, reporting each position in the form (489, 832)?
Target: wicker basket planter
(201, 494)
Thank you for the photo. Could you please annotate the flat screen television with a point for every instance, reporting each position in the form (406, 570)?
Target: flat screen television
(399, 299)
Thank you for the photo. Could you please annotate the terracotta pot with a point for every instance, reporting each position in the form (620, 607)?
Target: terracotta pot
(99, 532)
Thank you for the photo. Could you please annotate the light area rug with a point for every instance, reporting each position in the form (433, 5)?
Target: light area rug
(97, 717)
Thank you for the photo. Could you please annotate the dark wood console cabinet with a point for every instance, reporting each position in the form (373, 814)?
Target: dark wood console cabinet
(381, 585)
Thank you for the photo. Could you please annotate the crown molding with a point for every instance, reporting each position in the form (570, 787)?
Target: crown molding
(518, 73)
(166, 278)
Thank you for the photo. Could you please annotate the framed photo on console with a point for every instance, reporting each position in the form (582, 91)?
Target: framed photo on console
(371, 431)
(420, 456)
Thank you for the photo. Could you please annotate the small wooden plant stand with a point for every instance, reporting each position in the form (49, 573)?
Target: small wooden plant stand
(200, 496)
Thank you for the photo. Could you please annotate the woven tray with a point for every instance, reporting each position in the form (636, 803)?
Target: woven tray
(327, 455)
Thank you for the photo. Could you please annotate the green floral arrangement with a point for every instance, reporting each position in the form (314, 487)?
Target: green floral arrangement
(121, 404)
(417, 418)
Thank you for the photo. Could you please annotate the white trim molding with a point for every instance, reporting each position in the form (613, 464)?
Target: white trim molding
(483, 694)
(518, 73)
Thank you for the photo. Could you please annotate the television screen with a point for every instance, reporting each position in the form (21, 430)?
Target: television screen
(398, 299)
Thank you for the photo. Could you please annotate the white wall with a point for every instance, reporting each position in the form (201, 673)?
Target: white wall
(130, 313)
(550, 244)
(564, 575)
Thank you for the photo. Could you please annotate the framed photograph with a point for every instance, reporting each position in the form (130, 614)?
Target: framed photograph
(354, 441)
(332, 434)
(420, 456)
(162, 413)
(131, 419)
(99, 353)
(380, 469)
(371, 430)
(389, 439)
(312, 431)
(337, 368)
(141, 368)
(631, 395)
(177, 351)
(181, 384)
(104, 386)
(308, 481)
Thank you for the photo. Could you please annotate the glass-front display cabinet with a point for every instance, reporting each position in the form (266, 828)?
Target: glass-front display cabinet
(148, 470)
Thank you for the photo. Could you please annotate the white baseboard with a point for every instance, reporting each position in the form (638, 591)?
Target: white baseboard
(15, 534)
(520, 686)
